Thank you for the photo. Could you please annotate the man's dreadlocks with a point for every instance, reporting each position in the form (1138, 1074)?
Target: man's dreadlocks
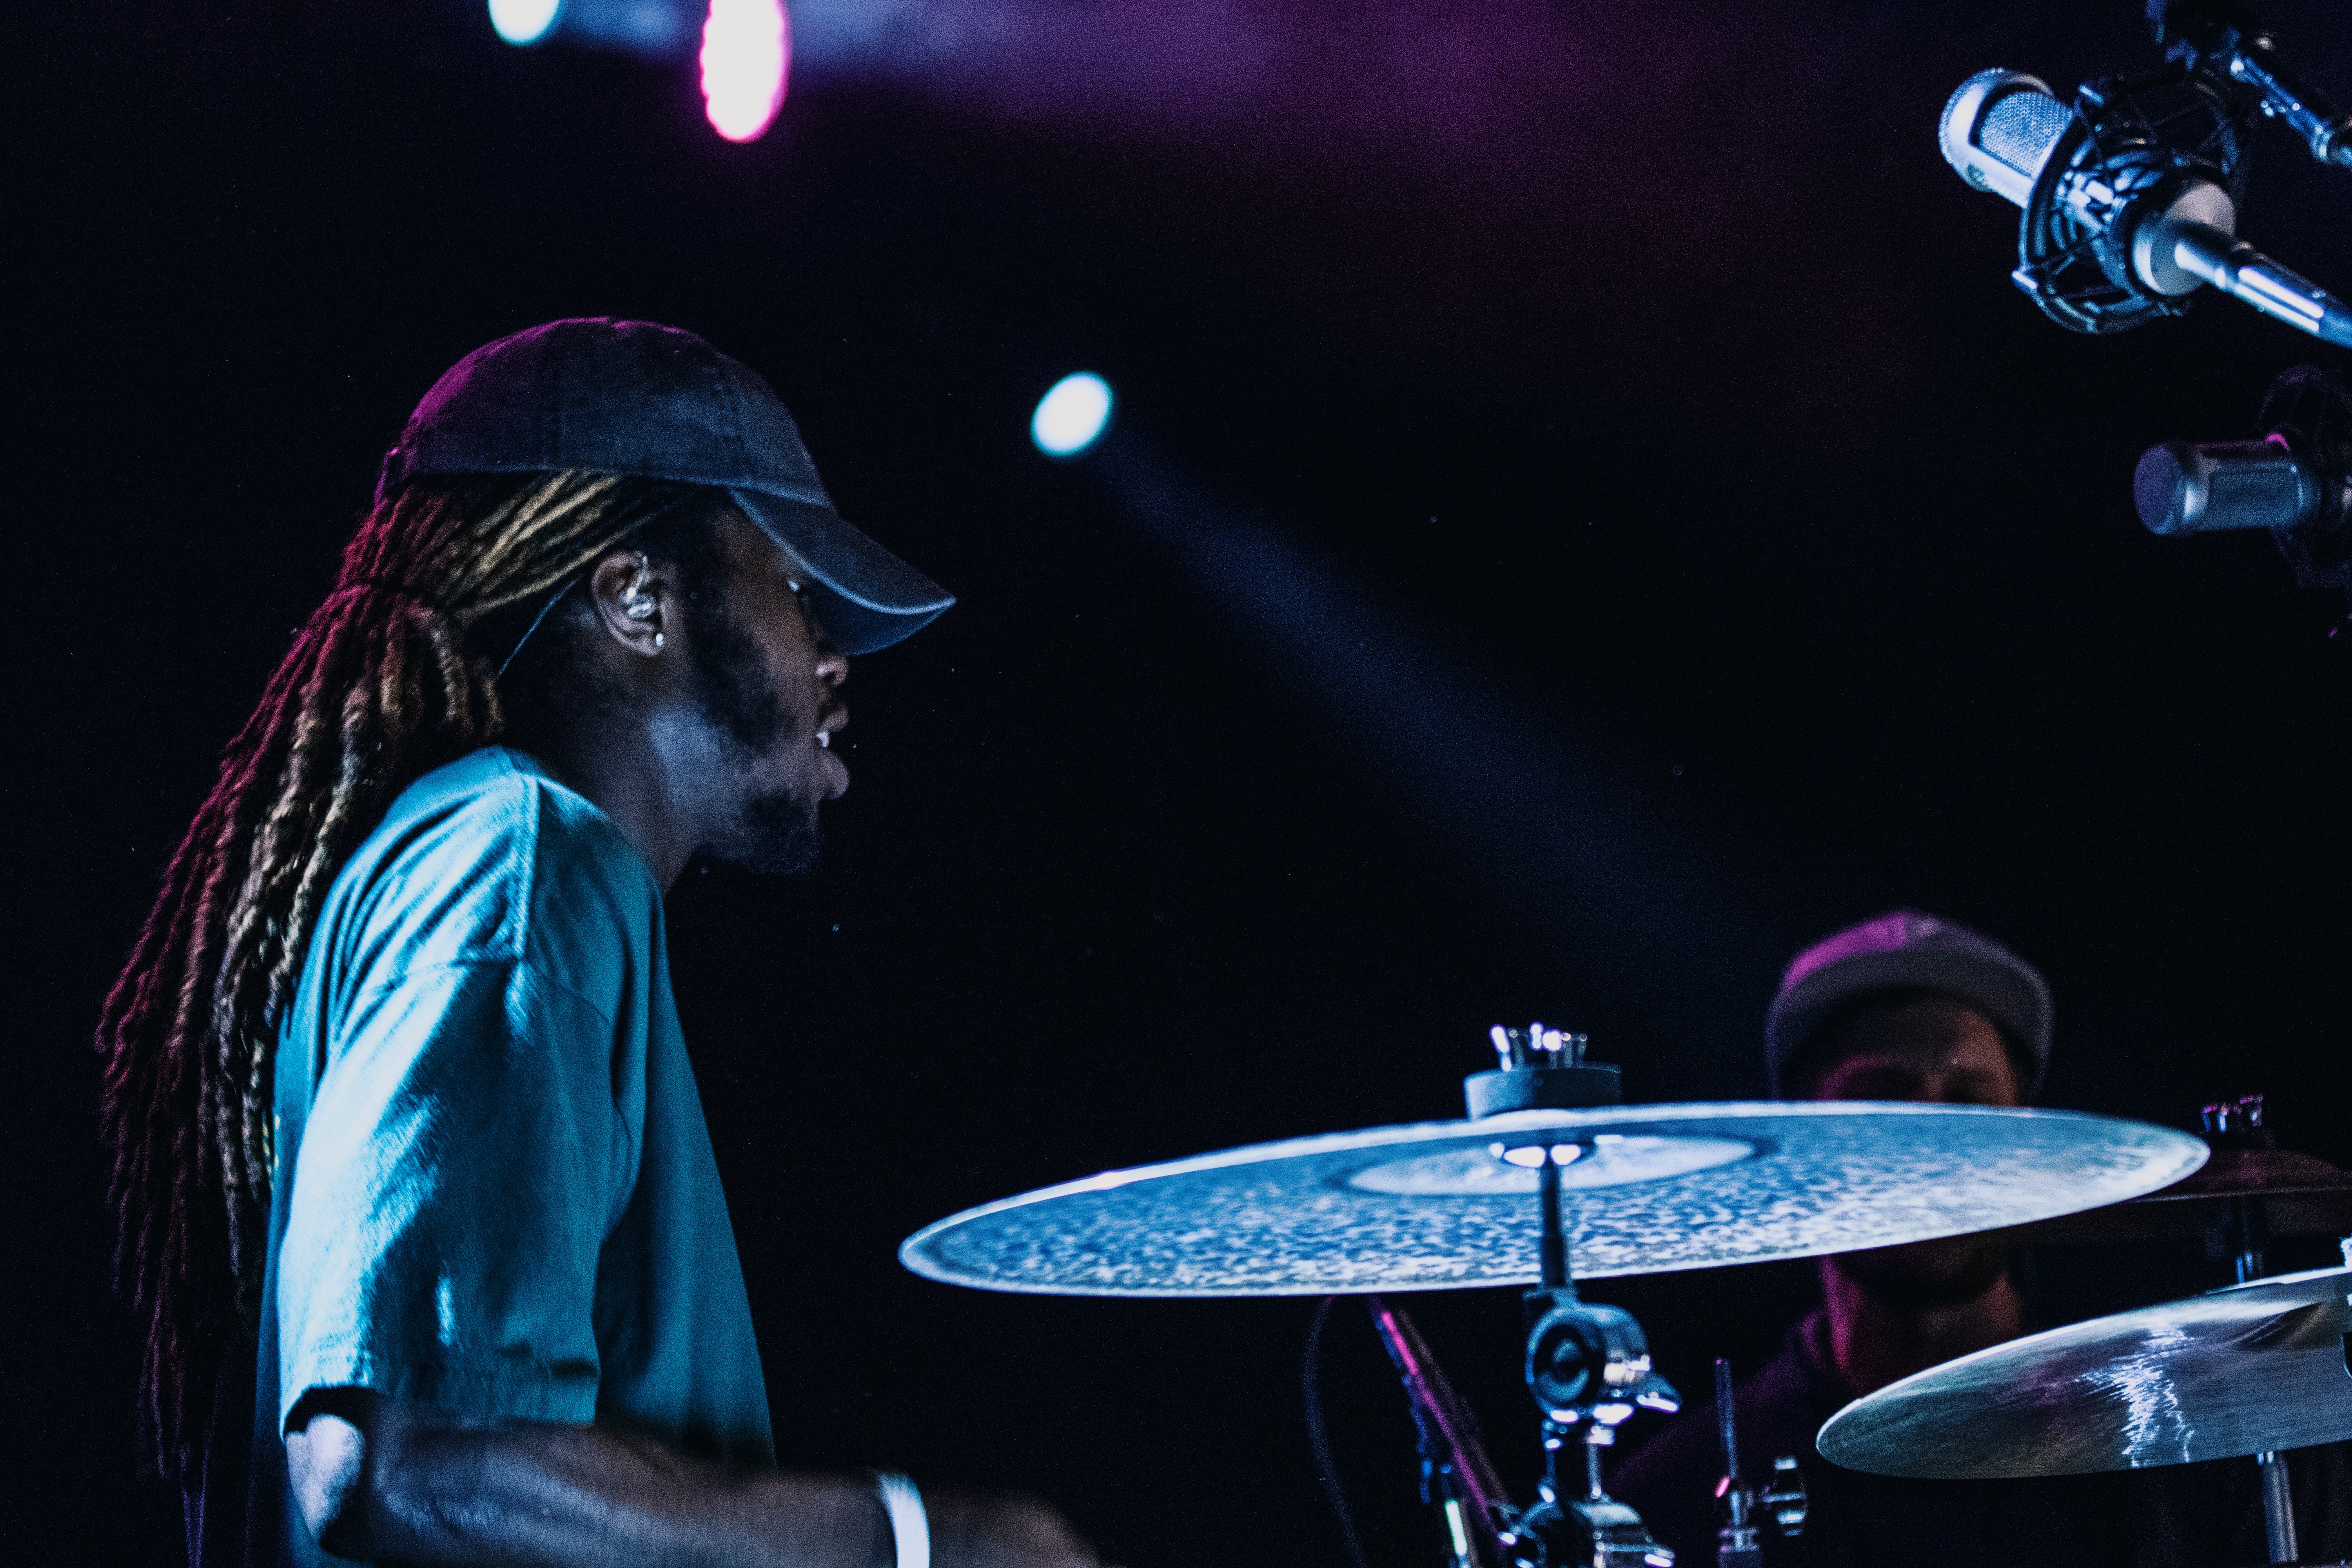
(387, 679)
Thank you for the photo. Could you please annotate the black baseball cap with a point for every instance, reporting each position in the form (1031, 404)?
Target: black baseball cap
(631, 397)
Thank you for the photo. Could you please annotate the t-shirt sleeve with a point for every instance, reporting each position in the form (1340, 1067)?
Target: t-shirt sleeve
(461, 1164)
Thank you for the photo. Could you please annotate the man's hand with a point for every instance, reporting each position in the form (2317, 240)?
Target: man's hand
(992, 1530)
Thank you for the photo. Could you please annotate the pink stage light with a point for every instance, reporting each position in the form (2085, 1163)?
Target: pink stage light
(747, 49)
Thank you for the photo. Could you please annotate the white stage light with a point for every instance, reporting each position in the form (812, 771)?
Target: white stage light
(523, 21)
(747, 52)
(1070, 418)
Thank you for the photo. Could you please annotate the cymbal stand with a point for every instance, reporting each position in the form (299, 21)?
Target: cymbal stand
(2245, 1238)
(1586, 1366)
(1740, 1542)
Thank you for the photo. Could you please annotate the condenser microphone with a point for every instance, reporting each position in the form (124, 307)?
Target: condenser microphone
(1999, 129)
(2295, 483)
(2144, 225)
(2211, 486)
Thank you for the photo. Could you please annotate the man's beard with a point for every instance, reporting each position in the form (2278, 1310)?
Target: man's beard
(774, 834)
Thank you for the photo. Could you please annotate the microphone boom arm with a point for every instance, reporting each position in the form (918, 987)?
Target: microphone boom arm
(2226, 39)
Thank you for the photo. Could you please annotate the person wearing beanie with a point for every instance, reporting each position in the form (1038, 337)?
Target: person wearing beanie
(1911, 1007)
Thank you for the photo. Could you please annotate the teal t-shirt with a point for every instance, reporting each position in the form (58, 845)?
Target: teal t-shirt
(495, 1192)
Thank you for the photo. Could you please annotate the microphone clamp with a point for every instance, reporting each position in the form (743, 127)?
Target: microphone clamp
(2138, 161)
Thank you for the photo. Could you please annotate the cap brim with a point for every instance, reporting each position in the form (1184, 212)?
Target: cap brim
(867, 598)
(2001, 990)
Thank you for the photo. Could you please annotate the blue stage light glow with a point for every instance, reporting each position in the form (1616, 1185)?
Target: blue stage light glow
(1070, 418)
(523, 21)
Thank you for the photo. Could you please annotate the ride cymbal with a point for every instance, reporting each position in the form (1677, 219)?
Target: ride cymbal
(1648, 1189)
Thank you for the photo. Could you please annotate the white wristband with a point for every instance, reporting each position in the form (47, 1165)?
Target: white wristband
(910, 1524)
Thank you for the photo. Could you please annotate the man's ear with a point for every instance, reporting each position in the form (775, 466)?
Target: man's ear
(632, 599)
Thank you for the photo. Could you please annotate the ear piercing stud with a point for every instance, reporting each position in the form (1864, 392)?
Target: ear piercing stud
(636, 603)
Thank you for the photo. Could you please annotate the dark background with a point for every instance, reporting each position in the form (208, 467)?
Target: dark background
(1728, 549)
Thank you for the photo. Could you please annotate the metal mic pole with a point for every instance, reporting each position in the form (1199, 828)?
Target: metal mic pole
(2237, 268)
(1460, 1464)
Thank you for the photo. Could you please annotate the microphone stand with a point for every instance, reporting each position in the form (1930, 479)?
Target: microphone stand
(1456, 1476)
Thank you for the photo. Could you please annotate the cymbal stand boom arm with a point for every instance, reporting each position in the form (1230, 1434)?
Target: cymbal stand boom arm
(1552, 1246)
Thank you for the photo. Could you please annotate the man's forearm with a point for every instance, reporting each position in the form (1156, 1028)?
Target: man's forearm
(398, 1485)
(395, 1483)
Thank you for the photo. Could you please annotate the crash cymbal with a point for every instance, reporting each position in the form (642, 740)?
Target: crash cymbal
(2300, 1195)
(2251, 1368)
(1650, 1188)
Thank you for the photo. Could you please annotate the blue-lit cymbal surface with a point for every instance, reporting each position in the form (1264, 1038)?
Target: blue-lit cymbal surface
(2252, 1368)
(1647, 1189)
